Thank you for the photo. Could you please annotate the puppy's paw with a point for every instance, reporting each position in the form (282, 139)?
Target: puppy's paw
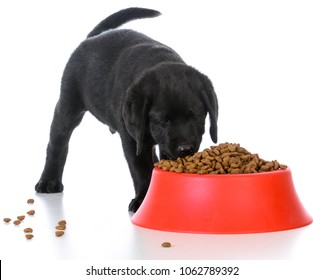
(51, 186)
(135, 204)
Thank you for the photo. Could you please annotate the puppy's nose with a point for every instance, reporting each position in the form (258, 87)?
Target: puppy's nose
(185, 150)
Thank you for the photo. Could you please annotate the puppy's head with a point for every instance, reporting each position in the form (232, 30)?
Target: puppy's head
(167, 106)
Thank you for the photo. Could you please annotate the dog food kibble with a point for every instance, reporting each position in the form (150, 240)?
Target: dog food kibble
(30, 201)
(29, 236)
(166, 244)
(7, 220)
(28, 230)
(59, 233)
(224, 158)
(31, 212)
(61, 227)
(62, 222)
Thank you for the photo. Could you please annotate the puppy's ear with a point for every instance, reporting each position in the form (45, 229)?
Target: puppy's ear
(136, 109)
(211, 103)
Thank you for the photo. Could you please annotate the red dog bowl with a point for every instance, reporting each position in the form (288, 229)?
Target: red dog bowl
(230, 203)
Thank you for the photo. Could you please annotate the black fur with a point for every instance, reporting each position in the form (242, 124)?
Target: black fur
(141, 89)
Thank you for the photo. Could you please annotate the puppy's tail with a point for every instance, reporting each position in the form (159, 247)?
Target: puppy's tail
(119, 18)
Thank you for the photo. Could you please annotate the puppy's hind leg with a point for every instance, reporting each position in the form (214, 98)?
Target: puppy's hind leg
(68, 114)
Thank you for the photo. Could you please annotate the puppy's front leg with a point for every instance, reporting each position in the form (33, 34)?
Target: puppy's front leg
(66, 118)
(140, 166)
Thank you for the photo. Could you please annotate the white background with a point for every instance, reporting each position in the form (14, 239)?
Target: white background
(266, 62)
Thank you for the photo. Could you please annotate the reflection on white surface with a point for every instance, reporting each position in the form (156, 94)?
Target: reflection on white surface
(214, 246)
(94, 233)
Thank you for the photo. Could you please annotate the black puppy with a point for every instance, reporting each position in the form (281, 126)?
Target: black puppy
(141, 89)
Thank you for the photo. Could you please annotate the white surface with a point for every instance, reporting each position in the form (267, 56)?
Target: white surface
(265, 61)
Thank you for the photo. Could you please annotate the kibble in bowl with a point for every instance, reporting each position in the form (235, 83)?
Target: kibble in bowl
(226, 158)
